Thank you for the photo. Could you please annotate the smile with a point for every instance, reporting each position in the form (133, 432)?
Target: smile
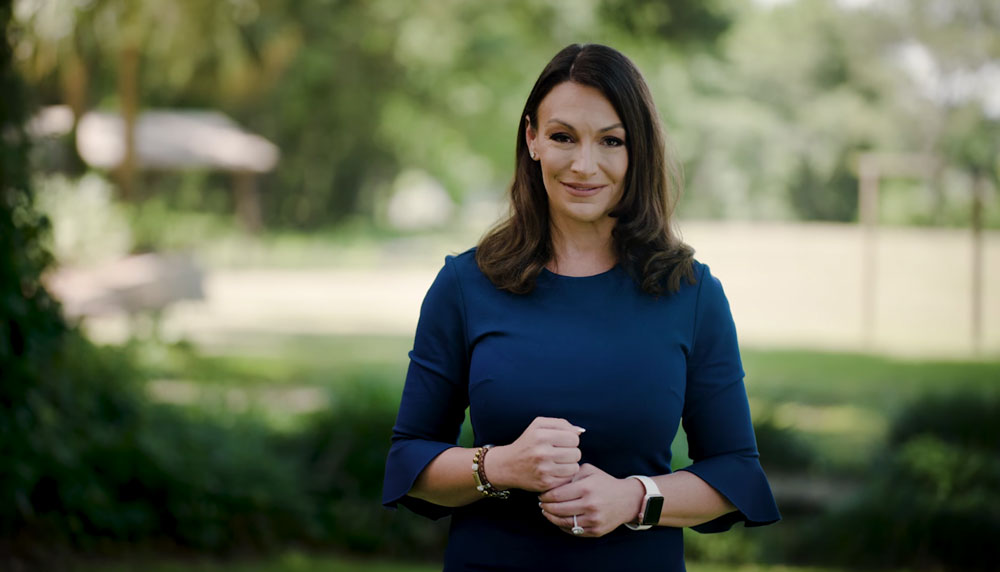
(581, 190)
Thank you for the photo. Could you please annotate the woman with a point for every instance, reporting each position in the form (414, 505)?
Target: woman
(578, 333)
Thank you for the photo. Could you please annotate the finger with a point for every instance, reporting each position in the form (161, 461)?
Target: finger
(566, 455)
(557, 437)
(564, 493)
(555, 423)
(564, 523)
(564, 509)
(564, 470)
(586, 470)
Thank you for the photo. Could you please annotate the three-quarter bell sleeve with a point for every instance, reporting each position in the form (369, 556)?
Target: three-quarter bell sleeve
(435, 394)
(716, 415)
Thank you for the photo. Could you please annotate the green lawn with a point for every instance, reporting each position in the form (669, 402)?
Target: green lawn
(297, 562)
(837, 403)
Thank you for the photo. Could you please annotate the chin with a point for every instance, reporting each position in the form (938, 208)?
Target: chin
(587, 215)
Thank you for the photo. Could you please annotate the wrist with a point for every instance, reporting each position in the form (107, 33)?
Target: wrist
(636, 492)
(494, 469)
(652, 504)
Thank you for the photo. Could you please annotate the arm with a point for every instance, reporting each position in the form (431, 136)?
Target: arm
(716, 415)
(543, 457)
(692, 500)
(434, 399)
(425, 470)
(604, 503)
(725, 484)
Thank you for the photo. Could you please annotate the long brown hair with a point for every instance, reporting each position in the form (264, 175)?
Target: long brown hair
(514, 252)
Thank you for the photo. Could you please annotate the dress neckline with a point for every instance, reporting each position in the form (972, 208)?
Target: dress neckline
(548, 272)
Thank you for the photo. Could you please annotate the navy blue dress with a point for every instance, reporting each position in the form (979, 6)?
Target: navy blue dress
(606, 356)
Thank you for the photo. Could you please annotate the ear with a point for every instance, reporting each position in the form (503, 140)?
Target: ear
(529, 134)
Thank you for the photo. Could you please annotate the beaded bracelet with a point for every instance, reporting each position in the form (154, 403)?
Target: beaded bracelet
(483, 484)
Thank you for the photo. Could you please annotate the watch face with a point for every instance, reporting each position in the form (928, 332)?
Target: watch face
(651, 515)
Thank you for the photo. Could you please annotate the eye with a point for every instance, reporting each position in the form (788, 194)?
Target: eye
(613, 142)
(561, 138)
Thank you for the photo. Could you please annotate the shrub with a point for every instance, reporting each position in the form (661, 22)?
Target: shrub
(782, 449)
(341, 458)
(935, 497)
(964, 419)
(67, 439)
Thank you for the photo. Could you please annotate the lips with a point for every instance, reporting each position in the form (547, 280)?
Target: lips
(581, 189)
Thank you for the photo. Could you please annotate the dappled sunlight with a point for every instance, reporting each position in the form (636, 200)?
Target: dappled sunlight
(242, 231)
(849, 420)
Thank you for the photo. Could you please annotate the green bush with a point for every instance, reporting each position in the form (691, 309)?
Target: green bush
(935, 498)
(341, 455)
(964, 419)
(68, 439)
(95, 467)
(782, 448)
(218, 482)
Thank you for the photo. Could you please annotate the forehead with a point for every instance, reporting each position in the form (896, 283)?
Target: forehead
(578, 105)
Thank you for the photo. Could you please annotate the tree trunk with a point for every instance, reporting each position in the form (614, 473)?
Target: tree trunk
(128, 95)
(74, 80)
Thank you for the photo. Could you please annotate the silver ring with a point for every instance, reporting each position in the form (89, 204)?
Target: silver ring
(577, 529)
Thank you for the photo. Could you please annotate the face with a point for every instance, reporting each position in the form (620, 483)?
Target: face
(580, 143)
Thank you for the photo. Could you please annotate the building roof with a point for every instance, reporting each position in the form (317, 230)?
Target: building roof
(165, 139)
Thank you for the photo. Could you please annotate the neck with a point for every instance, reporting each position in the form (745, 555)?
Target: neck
(582, 250)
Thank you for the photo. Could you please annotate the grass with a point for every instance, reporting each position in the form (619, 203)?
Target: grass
(842, 403)
(773, 375)
(838, 403)
(833, 378)
(290, 562)
(298, 562)
(276, 360)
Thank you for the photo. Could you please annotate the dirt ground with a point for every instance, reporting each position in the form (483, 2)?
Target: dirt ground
(789, 285)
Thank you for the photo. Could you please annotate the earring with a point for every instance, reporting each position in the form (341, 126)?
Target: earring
(534, 155)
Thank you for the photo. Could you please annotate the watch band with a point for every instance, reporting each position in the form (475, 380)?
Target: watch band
(651, 491)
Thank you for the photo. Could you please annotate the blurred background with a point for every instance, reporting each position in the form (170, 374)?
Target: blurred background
(218, 221)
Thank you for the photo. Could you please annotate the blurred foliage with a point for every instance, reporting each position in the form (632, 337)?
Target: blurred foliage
(769, 103)
(781, 447)
(88, 226)
(934, 499)
(340, 457)
(297, 561)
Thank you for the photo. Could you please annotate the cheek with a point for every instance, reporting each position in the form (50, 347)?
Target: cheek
(621, 166)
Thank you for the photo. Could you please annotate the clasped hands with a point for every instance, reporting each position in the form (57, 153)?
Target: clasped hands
(546, 459)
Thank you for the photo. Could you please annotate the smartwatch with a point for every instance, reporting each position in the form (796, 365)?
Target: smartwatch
(652, 504)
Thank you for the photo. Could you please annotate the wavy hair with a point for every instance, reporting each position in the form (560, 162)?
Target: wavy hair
(513, 253)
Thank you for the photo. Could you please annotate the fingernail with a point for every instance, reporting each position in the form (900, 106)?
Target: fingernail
(580, 430)
(539, 504)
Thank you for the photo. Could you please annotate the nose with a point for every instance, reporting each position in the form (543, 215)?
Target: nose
(584, 161)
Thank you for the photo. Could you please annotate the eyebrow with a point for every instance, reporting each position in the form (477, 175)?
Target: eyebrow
(568, 126)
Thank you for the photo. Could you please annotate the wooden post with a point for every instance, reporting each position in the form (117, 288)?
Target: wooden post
(868, 174)
(247, 201)
(978, 184)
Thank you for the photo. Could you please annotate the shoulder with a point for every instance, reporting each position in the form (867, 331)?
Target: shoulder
(700, 268)
(463, 265)
(707, 289)
(701, 274)
(458, 270)
(463, 261)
